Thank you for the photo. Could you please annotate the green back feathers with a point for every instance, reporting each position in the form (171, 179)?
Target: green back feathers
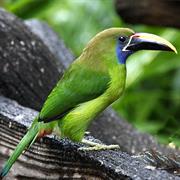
(79, 84)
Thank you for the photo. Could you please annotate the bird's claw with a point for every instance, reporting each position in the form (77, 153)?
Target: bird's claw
(96, 146)
(99, 147)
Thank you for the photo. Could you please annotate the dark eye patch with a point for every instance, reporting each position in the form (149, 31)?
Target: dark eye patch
(122, 38)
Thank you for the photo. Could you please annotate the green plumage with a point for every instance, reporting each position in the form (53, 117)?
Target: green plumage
(72, 90)
(92, 82)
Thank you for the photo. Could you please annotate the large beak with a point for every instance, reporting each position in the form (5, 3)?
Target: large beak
(146, 41)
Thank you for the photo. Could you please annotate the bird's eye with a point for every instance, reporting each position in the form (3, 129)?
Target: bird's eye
(122, 38)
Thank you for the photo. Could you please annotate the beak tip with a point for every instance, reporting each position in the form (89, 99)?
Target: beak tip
(174, 50)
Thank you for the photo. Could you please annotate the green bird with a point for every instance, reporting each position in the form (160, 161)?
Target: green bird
(91, 83)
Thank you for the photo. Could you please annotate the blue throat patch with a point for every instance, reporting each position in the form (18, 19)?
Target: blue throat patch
(122, 55)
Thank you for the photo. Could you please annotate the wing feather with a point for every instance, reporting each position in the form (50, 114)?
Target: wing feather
(79, 84)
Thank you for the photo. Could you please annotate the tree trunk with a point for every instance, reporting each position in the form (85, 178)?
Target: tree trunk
(28, 69)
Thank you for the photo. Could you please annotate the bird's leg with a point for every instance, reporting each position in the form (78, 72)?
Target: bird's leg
(97, 146)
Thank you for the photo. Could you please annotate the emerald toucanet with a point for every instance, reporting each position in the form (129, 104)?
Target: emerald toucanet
(92, 82)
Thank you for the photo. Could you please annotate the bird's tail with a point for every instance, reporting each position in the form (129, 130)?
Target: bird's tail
(25, 142)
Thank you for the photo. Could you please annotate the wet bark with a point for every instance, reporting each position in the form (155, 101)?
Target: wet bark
(51, 158)
(28, 69)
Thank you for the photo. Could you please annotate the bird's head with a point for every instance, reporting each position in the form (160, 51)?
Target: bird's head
(122, 42)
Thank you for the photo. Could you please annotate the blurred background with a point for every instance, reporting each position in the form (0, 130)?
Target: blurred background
(152, 98)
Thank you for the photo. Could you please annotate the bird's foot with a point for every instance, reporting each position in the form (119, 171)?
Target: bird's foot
(97, 146)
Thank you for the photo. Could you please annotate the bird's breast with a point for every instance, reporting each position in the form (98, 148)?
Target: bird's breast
(117, 83)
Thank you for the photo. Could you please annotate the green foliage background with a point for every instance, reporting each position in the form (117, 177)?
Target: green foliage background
(152, 98)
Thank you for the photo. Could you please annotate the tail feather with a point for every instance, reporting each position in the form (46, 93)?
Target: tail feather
(23, 144)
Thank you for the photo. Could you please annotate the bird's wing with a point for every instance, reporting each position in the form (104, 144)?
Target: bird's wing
(79, 84)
